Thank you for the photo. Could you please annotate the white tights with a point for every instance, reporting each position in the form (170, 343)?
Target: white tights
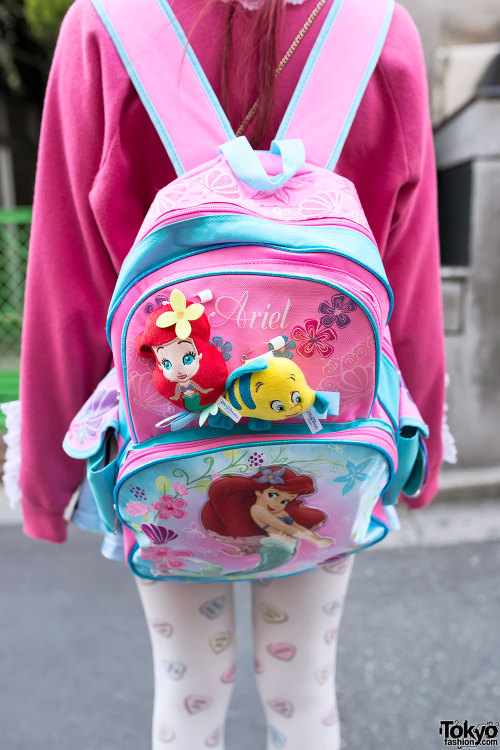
(295, 623)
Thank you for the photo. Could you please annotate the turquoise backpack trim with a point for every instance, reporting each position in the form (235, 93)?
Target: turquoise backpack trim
(388, 391)
(334, 156)
(150, 109)
(308, 70)
(189, 52)
(309, 67)
(189, 237)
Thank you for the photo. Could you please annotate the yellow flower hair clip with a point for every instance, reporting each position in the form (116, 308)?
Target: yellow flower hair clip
(180, 315)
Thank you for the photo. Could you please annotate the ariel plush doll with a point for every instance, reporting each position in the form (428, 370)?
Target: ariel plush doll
(189, 371)
(241, 510)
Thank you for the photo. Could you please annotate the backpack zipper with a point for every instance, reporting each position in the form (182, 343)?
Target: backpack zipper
(178, 214)
(376, 438)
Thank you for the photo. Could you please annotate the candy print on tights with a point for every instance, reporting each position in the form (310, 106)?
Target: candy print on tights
(197, 703)
(214, 738)
(332, 608)
(282, 651)
(330, 718)
(175, 670)
(213, 608)
(283, 707)
(277, 738)
(338, 568)
(330, 635)
(322, 674)
(163, 628)
(273, 614)
(220, 641)
(228, 676)
(166, 734)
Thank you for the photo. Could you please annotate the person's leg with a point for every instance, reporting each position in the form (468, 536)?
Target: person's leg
(296, 622)
(191, 626)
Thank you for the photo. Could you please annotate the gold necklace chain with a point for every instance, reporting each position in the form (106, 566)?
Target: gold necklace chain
(253, 109)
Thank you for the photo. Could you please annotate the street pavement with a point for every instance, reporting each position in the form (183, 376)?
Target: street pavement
(419, 643)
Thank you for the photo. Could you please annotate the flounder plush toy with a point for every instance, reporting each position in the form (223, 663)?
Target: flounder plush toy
(270, 390)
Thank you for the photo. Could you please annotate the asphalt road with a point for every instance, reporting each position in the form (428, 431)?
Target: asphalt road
(419, 645)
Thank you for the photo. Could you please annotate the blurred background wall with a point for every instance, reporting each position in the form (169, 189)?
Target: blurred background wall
(461, 41)
(462, 47)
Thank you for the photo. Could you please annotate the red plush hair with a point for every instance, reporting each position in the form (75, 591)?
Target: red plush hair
(213, 369)
(154, 335)
(227, 511)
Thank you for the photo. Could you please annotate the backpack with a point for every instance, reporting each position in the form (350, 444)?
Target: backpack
(256, 413)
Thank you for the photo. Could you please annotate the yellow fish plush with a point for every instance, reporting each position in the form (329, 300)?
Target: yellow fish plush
(270, 390)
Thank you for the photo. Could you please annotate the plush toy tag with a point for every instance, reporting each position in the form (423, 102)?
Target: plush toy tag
(312, 420)
(227, 409)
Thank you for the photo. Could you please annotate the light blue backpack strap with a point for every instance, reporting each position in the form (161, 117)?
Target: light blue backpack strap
(335, 77)
(168, 78)
(184, 108)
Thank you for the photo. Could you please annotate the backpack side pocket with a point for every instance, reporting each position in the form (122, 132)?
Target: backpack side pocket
(94, 435)
(411, 473)
(102, 470)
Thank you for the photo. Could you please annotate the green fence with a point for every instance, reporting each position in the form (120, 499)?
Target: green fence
(15, 226)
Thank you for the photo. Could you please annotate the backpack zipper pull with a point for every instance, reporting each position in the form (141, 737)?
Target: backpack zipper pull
(117, 521)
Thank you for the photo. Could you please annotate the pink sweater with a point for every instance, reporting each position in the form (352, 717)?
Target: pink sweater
(100, 165)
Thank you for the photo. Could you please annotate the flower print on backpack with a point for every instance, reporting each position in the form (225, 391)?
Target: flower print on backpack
(189, 371)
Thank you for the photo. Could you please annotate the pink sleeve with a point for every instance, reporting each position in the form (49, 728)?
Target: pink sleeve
(411, 259)
(69, 283)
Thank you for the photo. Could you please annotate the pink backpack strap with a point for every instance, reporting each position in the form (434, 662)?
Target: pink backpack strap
(335, 77)
(168, 78)
(184, 108)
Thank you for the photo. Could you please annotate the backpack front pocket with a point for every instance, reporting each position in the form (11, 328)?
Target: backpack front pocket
(330, 332)
(236, 508)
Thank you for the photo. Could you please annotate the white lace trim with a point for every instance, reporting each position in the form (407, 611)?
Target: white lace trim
(254, 4)
(450, 454)
(12, 466)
